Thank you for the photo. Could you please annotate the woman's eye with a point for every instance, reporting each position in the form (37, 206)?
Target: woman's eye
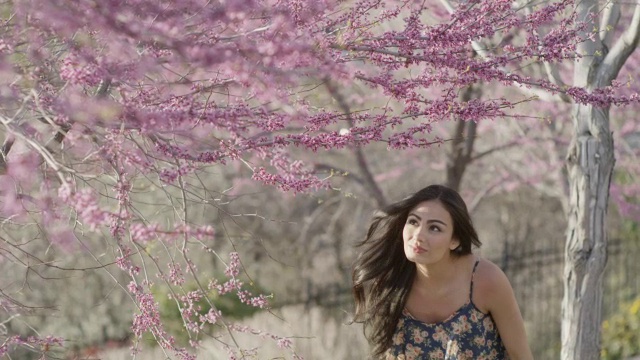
(412, 222)
(435, 228)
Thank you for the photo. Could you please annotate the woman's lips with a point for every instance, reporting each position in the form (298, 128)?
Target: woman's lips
(418, 249)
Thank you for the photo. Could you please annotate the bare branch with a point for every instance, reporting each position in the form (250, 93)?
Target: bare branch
(326, 167)
(621, 51)
(44, 153)
(494, 149)
(554, 76)
(481, 195)
(4, 151)
(591, 48)
(608, 22)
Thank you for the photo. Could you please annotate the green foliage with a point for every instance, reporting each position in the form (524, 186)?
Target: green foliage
(631, 230)
(623, 176)
(229, 304)
(621, 333)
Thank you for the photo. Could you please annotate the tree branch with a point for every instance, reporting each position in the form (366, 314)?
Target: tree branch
(44, 153)
(619, 53)
(4, 151)
(494, 149)
(480, 195)
(350, 174)
(608, 22)
(367, 176)
(553, 74)
(462, 143)
(542, 94)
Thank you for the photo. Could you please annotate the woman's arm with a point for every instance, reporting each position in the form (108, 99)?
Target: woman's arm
(495, 295)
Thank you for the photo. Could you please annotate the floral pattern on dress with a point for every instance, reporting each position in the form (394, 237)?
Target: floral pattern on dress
(469, 334)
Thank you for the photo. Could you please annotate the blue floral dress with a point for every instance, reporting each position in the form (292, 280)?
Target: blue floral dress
(468, 334)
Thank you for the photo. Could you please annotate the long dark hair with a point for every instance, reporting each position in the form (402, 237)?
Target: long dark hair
(382, 275)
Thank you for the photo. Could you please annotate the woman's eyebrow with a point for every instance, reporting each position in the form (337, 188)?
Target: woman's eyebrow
(430, 221)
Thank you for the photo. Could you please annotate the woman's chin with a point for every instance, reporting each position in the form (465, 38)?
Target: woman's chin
(415, 258)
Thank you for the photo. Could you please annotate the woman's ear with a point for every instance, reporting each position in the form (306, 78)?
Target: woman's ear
(455, 244)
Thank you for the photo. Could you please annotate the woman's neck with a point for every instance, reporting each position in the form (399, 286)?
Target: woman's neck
(437, 275)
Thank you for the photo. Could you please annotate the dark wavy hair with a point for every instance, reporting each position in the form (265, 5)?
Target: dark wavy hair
(382, 275)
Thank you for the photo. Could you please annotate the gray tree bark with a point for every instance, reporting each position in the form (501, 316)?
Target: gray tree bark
(590, 165)
(462, 141)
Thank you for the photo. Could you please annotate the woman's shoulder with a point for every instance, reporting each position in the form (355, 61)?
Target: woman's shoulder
(489, 284)
(488, 270)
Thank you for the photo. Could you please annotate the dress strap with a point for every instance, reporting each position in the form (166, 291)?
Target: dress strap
(473, 273)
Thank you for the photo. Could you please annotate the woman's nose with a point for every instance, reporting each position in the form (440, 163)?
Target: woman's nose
(421, 233)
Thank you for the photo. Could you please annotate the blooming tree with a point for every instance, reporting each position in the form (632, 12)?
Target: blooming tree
(101, 99)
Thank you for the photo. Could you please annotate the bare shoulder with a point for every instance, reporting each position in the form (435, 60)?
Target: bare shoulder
(489, 284)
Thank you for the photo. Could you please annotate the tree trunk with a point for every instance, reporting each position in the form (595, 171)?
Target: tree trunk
(590, 165)
(459, 156)
(462, 141)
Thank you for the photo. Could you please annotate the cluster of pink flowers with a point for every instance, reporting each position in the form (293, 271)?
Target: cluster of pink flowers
(282, 342)
(232, 271)
(86, 204)
(79, 72)
(176, 277)
(124, 261)
(210, 317)
(190, 310)
(287, 183)
(37, 344)
(148, 320)
(142, 234)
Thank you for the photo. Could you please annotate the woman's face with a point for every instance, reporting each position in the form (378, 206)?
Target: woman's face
(428, 233)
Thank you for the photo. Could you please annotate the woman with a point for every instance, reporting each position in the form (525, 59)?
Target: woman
(422, 294)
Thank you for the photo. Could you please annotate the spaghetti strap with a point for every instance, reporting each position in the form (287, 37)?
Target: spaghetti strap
(473, 273)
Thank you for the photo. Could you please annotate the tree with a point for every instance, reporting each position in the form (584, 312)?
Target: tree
(107, 102)
(590, 166)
